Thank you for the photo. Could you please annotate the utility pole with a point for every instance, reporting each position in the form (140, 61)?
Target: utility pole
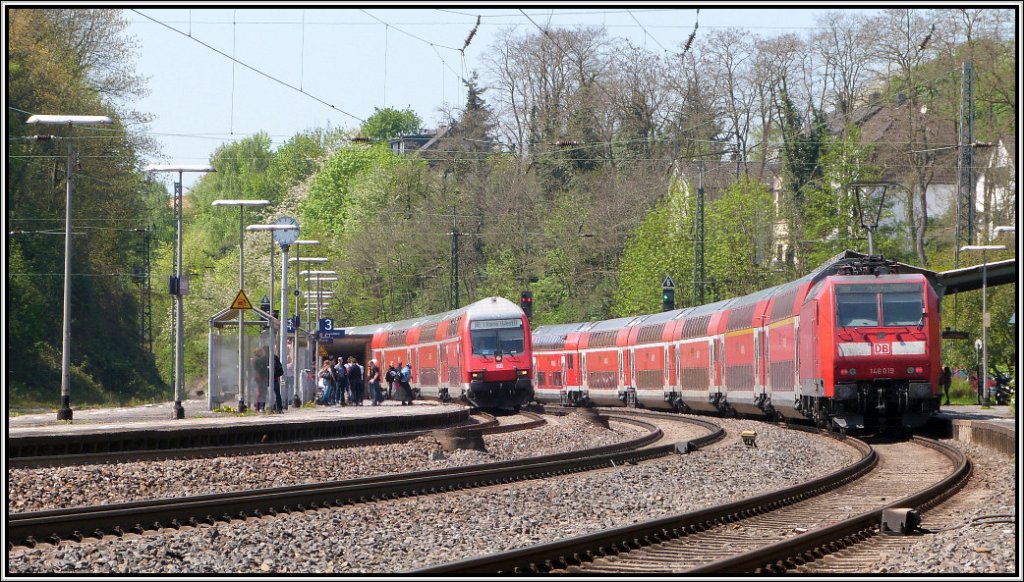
(698, 242)
(965, 186)
(454, 299)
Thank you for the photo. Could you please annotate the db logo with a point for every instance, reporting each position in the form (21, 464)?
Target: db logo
(881, 348)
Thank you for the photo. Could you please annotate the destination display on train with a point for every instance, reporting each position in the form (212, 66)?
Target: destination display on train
(495, 323)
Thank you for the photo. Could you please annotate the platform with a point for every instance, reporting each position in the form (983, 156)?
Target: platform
(153, 426)
(993, 427)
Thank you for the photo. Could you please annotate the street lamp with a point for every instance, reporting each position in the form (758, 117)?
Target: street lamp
(241, 204)
(179, 306)
(984, 312)
(65, 413)
(296, 398)
(319, 277)
(285, 231)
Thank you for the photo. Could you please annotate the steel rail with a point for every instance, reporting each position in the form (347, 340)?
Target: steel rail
(815, 544)
(73, 523)
(563, 553)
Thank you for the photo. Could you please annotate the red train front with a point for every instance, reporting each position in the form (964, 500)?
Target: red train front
(480, 353)
(871, 350)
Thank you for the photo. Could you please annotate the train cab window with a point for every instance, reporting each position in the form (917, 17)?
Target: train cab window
(866, 305)
(497, 336)
(857, 309)
(902, 308)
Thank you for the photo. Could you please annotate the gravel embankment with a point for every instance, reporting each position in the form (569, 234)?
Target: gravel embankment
(405, 534)
(54, 488)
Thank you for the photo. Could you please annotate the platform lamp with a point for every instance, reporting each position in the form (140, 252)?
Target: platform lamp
(319, 277)
(297, 259)
(64, 412)
(176, 287)
(984, 312)
(241, 204)
(285, 231)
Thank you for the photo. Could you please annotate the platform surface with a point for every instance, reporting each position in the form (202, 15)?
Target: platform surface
(160, 416)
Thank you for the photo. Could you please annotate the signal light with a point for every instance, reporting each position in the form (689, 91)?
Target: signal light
(526, 303)
(668, 299)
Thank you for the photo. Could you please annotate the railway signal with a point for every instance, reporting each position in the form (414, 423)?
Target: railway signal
(526, 303)
(668, 294)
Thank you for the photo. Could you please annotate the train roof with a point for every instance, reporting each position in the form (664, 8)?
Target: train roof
(833, 266)
(488, 308)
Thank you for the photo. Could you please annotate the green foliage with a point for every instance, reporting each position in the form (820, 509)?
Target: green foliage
(661, 246)
(387, 123)
(348, 187)
(740, 242)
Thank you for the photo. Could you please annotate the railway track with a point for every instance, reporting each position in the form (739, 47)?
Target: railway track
(765, 534)
(75, 523)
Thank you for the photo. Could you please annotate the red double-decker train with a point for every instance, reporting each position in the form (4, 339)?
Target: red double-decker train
(480, 353)
(854, 344)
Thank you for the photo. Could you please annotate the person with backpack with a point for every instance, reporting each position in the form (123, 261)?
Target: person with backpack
(404, 392)
(341, 380)
(391, 377)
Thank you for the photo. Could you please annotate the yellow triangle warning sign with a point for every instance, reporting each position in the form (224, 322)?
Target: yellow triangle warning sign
(241, 301)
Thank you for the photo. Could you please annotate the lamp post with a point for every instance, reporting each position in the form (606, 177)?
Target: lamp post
(296, 398)
(319, 277)
(179, 305)
(286, 231)
(984, 312)
(241, 204)
(64, 412)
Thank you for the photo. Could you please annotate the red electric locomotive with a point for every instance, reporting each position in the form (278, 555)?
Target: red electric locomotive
(480, 353)
(852, 344)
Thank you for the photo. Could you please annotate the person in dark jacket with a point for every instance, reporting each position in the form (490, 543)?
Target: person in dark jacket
(373, 377)
(945, 379)
(391, 377)
(355, 381)
(278, 372)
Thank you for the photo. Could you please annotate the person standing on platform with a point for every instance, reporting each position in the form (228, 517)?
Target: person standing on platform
(404, 392)
(289, 380)
(391, 377)
(945, 379)
(326, 383)
(260, 365)
(278, 372)
(355, 382)
(341, 377)
(373, 377)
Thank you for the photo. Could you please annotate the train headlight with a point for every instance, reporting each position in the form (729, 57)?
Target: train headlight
(476, 375)
(523, 373)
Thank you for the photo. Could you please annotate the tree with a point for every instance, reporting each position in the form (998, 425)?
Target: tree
(739, 239)
(387, 123)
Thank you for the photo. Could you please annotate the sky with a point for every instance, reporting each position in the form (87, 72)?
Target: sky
(296, 69)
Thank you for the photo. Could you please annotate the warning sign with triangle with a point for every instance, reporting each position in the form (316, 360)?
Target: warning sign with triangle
(241, 301)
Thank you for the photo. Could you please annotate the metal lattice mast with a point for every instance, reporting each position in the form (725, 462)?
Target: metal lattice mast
(455, 261)
(698, 243)
(965, 187)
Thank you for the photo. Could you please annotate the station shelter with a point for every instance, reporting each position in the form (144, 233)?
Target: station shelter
(222, 365)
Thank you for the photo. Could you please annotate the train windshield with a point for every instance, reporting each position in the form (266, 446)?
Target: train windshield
(498, 336)
(890, 304)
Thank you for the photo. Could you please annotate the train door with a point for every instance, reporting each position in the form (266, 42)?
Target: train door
(583, 369)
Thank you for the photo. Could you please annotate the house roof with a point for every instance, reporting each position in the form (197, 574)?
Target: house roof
(904, 141)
